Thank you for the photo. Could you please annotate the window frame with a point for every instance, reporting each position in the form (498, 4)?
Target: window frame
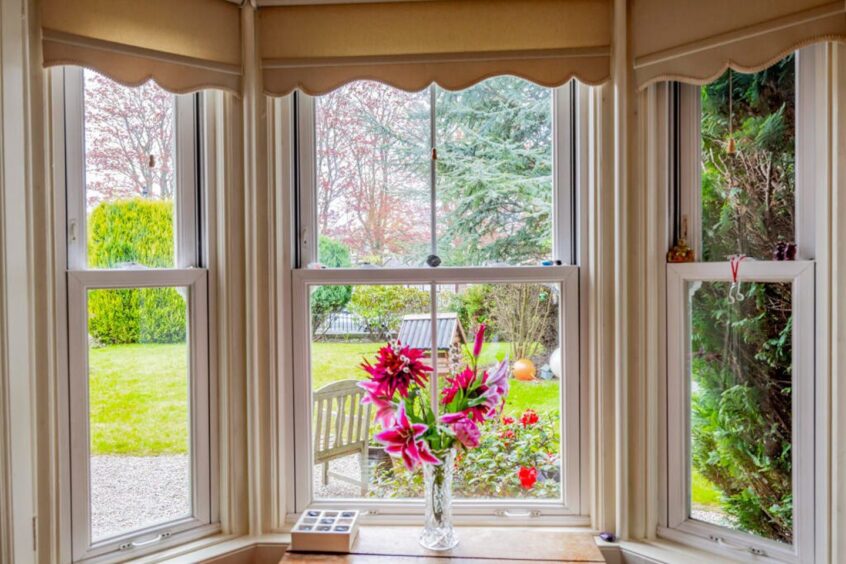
(572, 424)
(565, 239)
(569, 181)
(67, 84)
(801, 275)
(684, 156)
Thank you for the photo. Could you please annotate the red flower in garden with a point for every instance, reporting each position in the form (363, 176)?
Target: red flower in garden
(528, 477)
(395, 369)
(507, 435)
(507, 420)
(529, 417)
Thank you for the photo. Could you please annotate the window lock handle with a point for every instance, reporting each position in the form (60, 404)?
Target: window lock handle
(736, 547)
(138, 544)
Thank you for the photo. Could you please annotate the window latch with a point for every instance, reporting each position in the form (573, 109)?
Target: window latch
(138, 544)
(72, 230)
(517, 514)
(736, 547)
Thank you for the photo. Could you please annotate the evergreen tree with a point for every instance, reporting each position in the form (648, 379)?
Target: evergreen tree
(494, 172)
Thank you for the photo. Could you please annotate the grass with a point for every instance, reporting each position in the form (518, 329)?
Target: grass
(139, 399)
(704, 493)
(139, 393)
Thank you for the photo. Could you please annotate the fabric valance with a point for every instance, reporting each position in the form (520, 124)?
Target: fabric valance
(694, 41)
(184, 46)
(454, 43)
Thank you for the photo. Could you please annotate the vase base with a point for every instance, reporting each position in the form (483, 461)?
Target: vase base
(438, 539)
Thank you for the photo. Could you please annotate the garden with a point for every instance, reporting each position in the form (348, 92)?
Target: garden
(519, 452)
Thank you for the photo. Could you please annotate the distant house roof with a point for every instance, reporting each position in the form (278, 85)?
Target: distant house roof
(416, 331)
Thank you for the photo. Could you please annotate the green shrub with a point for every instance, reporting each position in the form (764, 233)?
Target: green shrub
(326, 300)
(140, 232)
(131, 231)
(383, 307)
(473, 306)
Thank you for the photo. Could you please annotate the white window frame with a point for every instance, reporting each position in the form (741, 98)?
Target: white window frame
(571, 508)
(679, 278)
(71, 249)
(565, 197)
(572, 425)
(675, 523)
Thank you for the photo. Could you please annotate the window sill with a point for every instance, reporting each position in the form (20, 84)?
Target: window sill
(228, 549)
(658, 551)
(214, 549)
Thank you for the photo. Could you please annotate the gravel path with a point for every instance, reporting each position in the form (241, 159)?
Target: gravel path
(346, 466)
(130, 492)
(701, 513)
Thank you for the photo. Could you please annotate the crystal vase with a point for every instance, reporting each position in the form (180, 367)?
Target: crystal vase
(438, 533)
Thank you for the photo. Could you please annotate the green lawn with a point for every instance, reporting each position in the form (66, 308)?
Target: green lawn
(704, 493)
(139, 393)
(139, 399)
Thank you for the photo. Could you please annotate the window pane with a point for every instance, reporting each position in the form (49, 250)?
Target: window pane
(349, 326)
(519, 451)
(748, 195)
(138, 385)
(494, 173)
(740, 408)
(130, 173)
(373, 175)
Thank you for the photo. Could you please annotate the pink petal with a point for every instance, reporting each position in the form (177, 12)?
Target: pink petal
(450, 418)
(390, 436)
(418, 429)
(426, 454)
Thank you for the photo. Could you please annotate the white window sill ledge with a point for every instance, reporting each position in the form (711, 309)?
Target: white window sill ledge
(656, 551)
(212, 548)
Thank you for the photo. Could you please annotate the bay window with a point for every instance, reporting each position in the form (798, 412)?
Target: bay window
(420, 216)
(137, 394)
(740, 320)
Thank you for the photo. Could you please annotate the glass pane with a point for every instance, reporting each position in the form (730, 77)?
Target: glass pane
(130, 173)
(373, 176)
(519, 447)
(494, 173)
(138, 386)
(748, 193)
(740, 408)
(350, 324)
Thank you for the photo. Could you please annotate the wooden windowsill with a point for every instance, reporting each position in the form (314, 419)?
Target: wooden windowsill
(380, 545)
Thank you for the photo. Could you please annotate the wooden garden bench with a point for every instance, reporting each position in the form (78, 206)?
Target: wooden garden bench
(342, 428)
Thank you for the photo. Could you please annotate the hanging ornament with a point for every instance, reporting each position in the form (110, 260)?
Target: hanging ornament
(735, 293)
(731, 148)
(681, 252)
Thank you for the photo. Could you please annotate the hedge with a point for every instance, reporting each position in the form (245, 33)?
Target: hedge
(134, 232)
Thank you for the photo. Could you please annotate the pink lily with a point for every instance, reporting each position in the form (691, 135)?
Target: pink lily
(385, 408)
(404, 440)
(465, 429)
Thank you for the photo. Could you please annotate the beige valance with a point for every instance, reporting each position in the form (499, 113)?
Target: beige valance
(695, 41)
(454, 43)
(183, 45)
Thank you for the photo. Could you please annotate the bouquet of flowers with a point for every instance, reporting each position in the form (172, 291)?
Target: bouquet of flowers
(411, 430)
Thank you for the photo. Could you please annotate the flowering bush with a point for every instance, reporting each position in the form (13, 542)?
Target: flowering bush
(512, 460)
(410, 431)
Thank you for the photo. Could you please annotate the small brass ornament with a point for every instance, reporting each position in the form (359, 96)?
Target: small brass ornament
(681, 252)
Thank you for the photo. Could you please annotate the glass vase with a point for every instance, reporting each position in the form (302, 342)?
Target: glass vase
(438, 533)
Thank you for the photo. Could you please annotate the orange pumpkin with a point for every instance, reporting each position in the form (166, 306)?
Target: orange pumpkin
(524, 369)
